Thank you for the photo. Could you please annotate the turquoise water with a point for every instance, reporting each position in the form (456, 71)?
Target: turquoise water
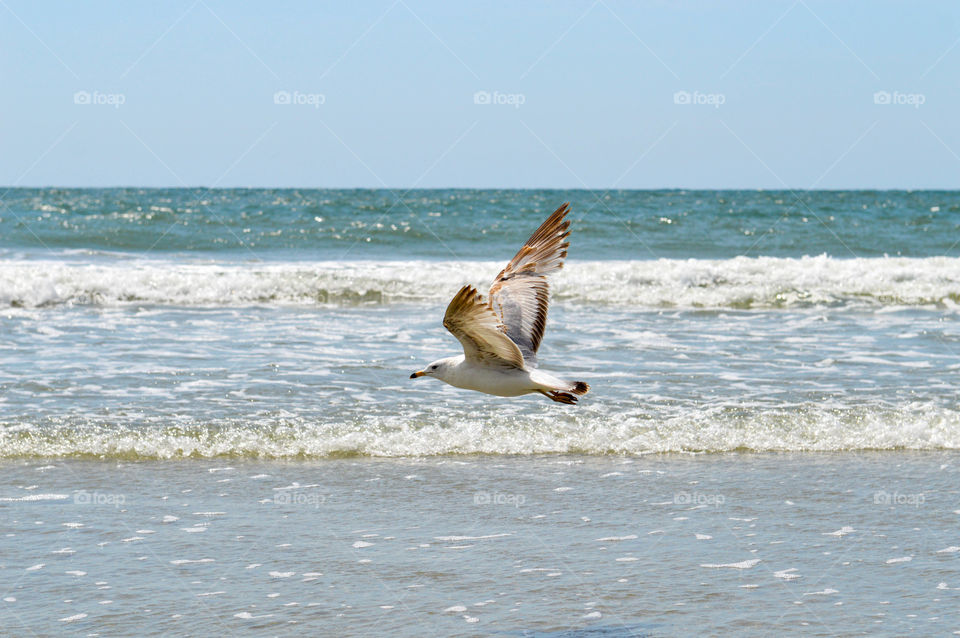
(202, 355)
(464, 224)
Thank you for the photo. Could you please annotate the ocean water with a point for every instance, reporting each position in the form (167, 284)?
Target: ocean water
(206, 416)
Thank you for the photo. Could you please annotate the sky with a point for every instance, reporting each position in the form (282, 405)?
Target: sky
(405, 94)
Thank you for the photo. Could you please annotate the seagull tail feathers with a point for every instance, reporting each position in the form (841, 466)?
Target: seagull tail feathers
(579, 387)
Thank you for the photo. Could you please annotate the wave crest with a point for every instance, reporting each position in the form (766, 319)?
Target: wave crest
(742, 282)
(711, 430)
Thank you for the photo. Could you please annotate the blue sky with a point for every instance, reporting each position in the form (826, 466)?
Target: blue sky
(395, 93)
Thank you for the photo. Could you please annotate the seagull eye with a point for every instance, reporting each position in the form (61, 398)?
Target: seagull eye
(433, 367)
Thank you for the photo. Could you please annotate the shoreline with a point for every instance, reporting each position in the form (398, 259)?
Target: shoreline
(460, 546)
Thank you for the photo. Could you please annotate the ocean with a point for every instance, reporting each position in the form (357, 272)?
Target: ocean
(207, 423)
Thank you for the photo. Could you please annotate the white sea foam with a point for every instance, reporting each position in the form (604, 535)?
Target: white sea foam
(590, 430)
(741, 282)
(746, 564)
(608, 539)
(787, 574)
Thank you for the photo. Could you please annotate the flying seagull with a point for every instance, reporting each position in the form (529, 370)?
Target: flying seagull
(500, 337)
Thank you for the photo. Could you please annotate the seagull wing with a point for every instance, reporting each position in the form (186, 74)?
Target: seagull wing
(520, 293)
(479, 330)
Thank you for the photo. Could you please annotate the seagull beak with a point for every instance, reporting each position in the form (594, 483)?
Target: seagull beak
(418, 373)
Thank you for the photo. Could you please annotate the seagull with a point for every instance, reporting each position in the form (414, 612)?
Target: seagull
(500, 337)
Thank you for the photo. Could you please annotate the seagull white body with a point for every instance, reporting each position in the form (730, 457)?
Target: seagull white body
(500, 337)
(506, 382)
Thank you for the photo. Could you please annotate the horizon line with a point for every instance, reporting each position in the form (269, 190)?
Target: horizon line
(785, 189)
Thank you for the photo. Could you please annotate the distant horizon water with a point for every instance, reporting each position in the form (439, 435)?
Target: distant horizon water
(407, 188)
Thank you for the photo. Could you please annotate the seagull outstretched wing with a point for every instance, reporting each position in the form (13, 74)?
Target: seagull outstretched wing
(480, 331)
(520, 293)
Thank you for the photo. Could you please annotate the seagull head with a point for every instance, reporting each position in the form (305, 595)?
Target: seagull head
(436, 369)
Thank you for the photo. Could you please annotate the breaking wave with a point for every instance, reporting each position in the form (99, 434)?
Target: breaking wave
(742, 282)
(710, 430)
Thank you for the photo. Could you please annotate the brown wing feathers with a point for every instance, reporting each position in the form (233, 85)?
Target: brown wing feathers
(544, 239)
(479, 330)
(520, 293)
(510, 325)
